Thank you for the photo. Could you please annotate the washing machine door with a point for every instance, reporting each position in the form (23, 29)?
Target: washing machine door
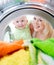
(25, 9)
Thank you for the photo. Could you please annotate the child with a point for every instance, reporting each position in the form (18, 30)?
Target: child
(41, 29)
(21, 28)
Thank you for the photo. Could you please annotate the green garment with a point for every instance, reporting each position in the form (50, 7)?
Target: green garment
(46, 46)
(22, 34)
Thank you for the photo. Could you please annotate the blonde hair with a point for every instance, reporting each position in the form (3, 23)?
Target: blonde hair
(53, 34)
(48, 31)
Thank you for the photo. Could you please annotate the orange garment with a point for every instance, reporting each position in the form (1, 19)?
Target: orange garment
(7, 48)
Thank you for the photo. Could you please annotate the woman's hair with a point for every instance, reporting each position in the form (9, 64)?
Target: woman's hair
(47, 32)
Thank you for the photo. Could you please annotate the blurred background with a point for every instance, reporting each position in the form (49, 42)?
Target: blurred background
(6, 3)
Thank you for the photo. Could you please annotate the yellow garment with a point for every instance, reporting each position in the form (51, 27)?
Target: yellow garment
(20, 57)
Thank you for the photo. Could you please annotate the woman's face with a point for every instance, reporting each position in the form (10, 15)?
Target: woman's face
(38, 24)
(21, 22)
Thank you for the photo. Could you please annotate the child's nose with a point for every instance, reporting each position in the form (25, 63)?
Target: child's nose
(20, 23)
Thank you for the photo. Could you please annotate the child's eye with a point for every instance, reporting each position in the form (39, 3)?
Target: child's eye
(40, 20)
(17, 21)
(22, 20)
(34, 18)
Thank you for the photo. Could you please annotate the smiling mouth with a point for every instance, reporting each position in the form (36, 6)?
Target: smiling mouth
(20, 25)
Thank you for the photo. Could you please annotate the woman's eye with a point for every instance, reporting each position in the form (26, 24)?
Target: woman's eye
(22, 20)
(17, 21)
(34, 18)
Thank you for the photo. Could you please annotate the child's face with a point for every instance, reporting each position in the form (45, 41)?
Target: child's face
(38, 24)
(21, 22)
